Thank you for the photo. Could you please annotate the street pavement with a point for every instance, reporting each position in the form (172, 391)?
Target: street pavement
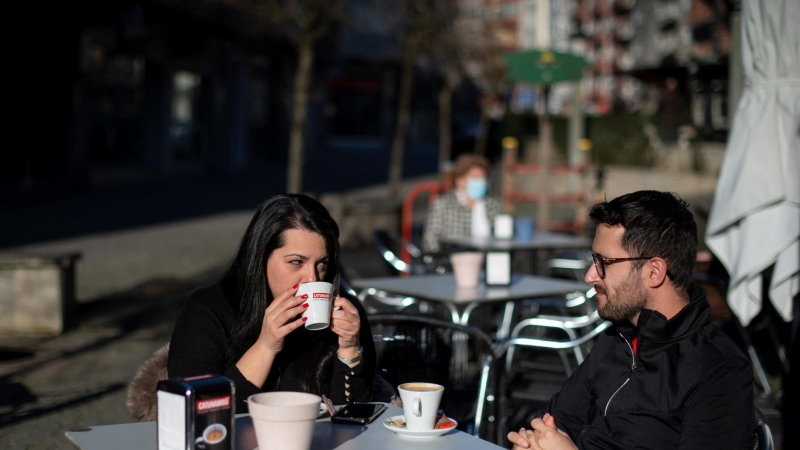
(79, 379)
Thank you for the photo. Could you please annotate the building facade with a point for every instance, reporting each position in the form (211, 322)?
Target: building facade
(645, 55)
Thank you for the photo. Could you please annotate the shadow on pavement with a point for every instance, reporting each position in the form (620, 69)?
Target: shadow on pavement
(149, 306)
(94, 360)
(20, 415)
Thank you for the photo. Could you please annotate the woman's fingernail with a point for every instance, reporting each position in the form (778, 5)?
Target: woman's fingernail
(305, 318)
(304, 296)
(305, 305)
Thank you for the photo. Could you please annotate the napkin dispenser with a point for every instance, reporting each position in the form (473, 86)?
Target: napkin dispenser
(498, 268)
(196, 413)
(504, 226)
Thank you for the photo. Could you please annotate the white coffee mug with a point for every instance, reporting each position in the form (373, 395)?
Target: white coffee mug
(503, 226)
(284, 420)
(466, 268)
(420, 404)
(320, 296)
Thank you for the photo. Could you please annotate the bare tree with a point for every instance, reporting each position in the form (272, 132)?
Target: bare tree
(304, 22)
(480, 56)
(447, 51)
(493, 85)
(423, 21)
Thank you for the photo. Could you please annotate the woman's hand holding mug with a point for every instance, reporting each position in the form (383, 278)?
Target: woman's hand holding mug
(279, 319)
(346, 323)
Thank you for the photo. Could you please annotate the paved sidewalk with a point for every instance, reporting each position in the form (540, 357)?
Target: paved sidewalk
(80, 379)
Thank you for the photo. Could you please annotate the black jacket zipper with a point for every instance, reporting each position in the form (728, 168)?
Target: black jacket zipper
(633, 366)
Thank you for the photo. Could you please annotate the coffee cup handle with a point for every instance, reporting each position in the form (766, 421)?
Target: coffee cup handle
(200, 440)
(416, 407)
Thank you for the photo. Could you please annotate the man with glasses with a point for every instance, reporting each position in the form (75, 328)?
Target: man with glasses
(663, 377)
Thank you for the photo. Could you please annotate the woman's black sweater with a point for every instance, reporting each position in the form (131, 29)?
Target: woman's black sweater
(201, 344)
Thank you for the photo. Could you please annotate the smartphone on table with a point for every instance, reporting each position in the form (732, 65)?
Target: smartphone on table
(358, 413)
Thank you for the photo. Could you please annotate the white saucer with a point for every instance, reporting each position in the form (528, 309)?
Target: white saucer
(416, 434)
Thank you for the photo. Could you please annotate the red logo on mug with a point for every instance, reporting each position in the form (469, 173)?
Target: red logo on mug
(321, 295)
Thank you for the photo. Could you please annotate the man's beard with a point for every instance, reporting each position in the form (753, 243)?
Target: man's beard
(629, 300)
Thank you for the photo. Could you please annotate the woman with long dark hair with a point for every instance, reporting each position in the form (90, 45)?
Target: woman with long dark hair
(248, 328)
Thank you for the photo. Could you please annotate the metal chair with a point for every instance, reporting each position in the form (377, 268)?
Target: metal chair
(564, 319)
(431, 189)
(761, 438)
(397, 302)
(419, 348)
(574, 343)
(416, 263)
(570, 265)
(566, 324)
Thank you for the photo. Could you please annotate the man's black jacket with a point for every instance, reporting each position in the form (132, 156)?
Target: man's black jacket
(688, 387)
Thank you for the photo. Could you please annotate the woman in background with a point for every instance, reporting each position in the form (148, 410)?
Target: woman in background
(466, 211)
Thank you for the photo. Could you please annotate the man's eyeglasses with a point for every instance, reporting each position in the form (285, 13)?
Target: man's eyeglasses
(600, 263)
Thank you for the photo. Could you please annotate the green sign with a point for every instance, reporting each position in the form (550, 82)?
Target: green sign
(544, 66)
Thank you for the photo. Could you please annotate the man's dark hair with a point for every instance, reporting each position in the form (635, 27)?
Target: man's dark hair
(656, 224)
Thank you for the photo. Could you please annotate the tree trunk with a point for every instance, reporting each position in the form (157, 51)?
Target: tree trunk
(403, 115)
(445, 122)
(483, 133)
(302, 82)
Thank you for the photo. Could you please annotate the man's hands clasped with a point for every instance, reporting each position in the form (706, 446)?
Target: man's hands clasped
(544, 436)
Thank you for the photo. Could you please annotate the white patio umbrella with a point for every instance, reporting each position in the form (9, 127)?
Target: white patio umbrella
(755, 217)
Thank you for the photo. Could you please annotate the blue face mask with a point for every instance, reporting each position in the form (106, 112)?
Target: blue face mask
(476, 188)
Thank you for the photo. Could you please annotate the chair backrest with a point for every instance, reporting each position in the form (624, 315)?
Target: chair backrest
(554, 344)
(417, 263)
(420, 348)
(432, 188)
(761, 438)
(571, 265)
(388, 249)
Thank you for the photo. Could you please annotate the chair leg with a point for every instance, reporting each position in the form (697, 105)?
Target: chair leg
(779, 349)
(501, 408)
(761, 375)
(578, 354)
(509, 358)
(482, 394)
(565, 361)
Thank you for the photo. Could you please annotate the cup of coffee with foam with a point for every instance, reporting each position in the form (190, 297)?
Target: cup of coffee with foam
(420, 404)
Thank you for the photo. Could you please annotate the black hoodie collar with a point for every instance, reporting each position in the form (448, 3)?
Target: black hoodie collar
(654, 326)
